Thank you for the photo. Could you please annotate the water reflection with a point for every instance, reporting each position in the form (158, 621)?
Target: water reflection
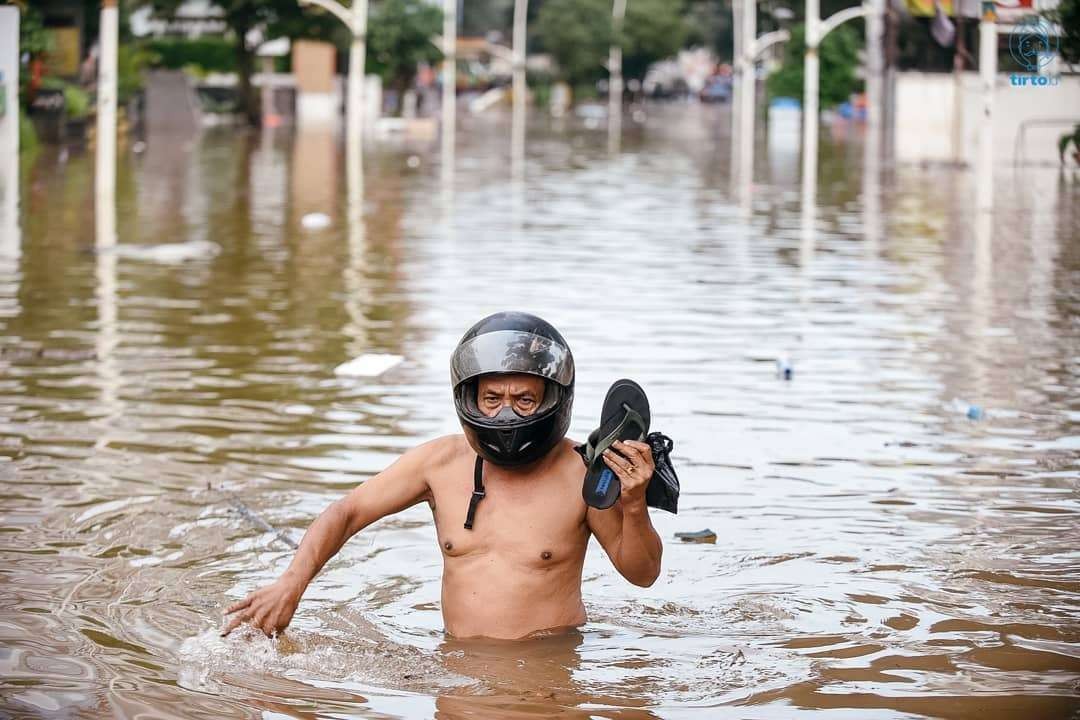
(10, 238)
(107, 336)
(881, 554)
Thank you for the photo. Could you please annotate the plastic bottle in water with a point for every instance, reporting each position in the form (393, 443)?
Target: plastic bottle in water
(784, 368)
(969, 410)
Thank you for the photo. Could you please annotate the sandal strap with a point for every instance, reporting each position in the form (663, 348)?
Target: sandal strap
(594, 447)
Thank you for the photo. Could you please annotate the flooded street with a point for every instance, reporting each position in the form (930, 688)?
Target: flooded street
(884, 549)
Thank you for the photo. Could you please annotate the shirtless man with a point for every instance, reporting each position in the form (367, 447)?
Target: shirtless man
(506, 497)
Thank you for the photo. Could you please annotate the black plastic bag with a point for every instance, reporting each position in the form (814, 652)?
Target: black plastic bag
(663, 490)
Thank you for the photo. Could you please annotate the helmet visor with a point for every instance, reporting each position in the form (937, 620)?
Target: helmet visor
(512, 351)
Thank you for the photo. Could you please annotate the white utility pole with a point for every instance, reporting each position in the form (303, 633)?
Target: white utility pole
(736, 86)
(988, 42)
(355, 18)
(958, 86)
(875, 72)
(811, 68)
(10, 245)
(816, 30)
(615, 80)
(105, 213)
(747, 92)
(750, 48)
(357, 59)
(875, 81)
(105, 165)
(521, 9)
(517, 133)
(449, 87)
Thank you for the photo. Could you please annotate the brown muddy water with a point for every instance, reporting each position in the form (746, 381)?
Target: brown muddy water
(879, 553)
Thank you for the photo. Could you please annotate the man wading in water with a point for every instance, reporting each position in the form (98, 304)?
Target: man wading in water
(506, 497)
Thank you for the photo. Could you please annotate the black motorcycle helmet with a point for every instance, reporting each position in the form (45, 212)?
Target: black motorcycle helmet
(513, 342)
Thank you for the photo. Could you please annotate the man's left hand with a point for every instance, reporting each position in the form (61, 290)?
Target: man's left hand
(633, 464)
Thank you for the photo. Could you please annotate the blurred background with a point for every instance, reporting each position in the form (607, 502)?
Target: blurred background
(838, 245)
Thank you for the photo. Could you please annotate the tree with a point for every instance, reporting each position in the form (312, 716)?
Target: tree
(479, 17)
(274, 19)
(709, 24)
(34, 42)
(1067, 16)
(577, 33)
(839, 58)
(400, 34)
(651, 31)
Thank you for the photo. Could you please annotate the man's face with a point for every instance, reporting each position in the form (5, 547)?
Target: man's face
(522, 392)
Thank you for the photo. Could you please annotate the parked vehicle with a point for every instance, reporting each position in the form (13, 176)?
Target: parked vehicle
(717, 90)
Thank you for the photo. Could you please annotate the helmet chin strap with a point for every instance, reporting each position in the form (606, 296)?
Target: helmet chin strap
(478, 493)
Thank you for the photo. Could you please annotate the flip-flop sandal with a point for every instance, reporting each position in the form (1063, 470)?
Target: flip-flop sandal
(625, 417)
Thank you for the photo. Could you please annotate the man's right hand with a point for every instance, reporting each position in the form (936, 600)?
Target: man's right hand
(401, 485)
(269, 609)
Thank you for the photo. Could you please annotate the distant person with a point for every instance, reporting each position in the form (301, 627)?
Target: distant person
(506, 496)
(88, 69)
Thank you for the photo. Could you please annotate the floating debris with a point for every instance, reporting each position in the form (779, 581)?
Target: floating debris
(697, 536)
(368, 365)
(315, 221)
(970, 410)
(257, 520)
(784, 368)
(170, 252)
(33, 354)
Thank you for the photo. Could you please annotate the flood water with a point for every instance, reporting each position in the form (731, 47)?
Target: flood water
(880, 554)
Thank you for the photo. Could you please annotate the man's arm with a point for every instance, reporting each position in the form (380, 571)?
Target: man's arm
(625, 530)
(401, 485)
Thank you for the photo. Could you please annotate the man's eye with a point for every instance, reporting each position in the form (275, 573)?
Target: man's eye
(526, 401)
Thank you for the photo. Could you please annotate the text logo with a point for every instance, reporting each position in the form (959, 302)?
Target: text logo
(1033, 43)
(605, 481)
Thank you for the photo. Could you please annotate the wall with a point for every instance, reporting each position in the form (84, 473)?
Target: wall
(317, 99)
(924, 104)
(10, 246)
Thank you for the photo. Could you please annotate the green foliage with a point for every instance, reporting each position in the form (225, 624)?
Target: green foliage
(539, 83)
(33, 37)
(211, 54)
(76, 100)
(1067, 139)
(1067, 16)
(276, 18)
(652, 30)
(480, 17)
(399, 37)
(577, 33)
(130, 62)
(839, 60)
(28, 139)
(708, 24)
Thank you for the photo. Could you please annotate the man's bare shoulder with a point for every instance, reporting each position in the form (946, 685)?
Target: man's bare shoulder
(440, 451)
(569, 463)
(568, 450)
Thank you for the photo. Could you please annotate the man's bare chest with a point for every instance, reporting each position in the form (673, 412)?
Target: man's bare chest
(534, 522)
